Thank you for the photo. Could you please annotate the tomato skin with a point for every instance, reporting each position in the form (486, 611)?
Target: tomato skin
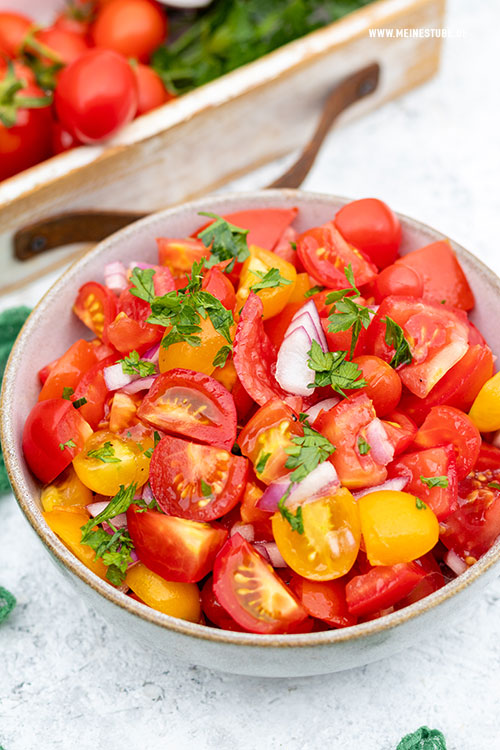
(382, 587)
(128, 464)
(67, 523)
(341, 340)
(66, 45)
(432, 581)
(276, 327)
(401, 431)
(178, 255)
(247, 605)
(150, 89)
(211, 402)
(93, 388)
(130, 329)
(214, 611)
(216, 282)
(65, 492)
(68, 370)
(399, 281)
(273, 299)
(489, 457)
(49, 424)
(13, 30)
(265, 225)
(383, 383)
(177, 468)
(250, 513)
(96, 95)
(176, 599)
(283, 248)
(445, 424)
(174, 548)
(62, 140)
(371, 226)
(96, 307)
(135, 28)
(324, 600)
(442, 274)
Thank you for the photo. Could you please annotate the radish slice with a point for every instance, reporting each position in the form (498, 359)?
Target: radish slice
(396, 485)
(141, 384)
(320, 480)
(115, 378)
(325, 405)
(115, 276)
(381, 449)
(292, 371)
(455, 563)
(245, 529)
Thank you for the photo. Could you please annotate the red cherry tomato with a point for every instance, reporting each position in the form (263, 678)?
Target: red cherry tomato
(324, 600)
(216, 282)
(54, 433)
(398, 280)
(431, 463)
(96, 306)
(135, 28)
(174, 548)
(62, 140)
(401, 431)
(214, 611)
(96, 95)
(383, 383)
(151, 91)
(341, 340)
(263, 604)
(75, 17)
(371, 226)
(445, 424)
(14, 27)
(68, 370)
(193, 405)
(382, 587)
(92, 387)
(198, 482)
(64, 46)
(178, 255)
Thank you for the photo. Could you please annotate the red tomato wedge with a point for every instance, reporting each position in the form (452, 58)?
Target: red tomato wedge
(371, 226)
(433, 580)
(92, 387)
(397, 280)
(174, 548)
(214, 611)
(341, 340)
(324, 600)
(216, 283)
(438, 339)
(68, 370)
(382, 587)
(96, 306)
(401, 431)
(191, 404)
(489, 457)
(251, 592)
(178, 255)
(54, 433)
(198, 482)
(431, 463)
(442, 274)
(265, 225)
(447, 425)
(324, 253)
(255, 356)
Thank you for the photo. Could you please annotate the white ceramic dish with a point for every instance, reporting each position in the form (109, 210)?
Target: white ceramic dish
(49, 331)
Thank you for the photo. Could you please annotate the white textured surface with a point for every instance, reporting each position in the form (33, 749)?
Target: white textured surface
(68, 680)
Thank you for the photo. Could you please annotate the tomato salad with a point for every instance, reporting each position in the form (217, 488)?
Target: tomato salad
(274, 432)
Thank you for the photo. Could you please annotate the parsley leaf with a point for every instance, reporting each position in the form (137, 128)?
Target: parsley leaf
(363, 446)
(494, 485)
(345, 313)
(269, 279)
(307, 452)
(295, 520)
(149, 451)
(106, 454)
(114, 549)
(120, 503)
(394, 336)
(225, 241)
(261, 463)
(67, 444)
(420, 504)
(206, 489)
(220, 358)
(314, 290)
(434, 481)
(67, 393)
(79, 402)
(143, 284)
(331, 368)
(134, 365)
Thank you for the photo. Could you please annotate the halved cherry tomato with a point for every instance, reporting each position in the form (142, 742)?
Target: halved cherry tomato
(251, 592)
(274, 299)
(371, 226)
(445, 424)
(200, 358)
(344, 425)
(130, 329)
(330, 543)
(123, 411)
(266, 436)
(199, 482)
(173, 598)
(217, 283)
(489, 457)
(383, 383)
(175, 548)
(214, 611)
(178, 255)
(108, 461)
(399, 281)
(53, 435)
(341, 340)
(151, 92)
(438, 339)
(400, 430)
(250, 513)
(67, 524)
(324, 600)
(433, 581)
(324, 254)
(66, 491)
(286, 247)
(68, 370)
(96, 306)
(444, 279)
(433, 462)
(382, 587)
(485, 411)
(92, 387)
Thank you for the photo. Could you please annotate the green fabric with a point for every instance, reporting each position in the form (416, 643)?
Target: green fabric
(7, 604)
(11, 322)
(423, 739)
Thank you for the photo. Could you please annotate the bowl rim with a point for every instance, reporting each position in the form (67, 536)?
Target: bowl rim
(195, 630)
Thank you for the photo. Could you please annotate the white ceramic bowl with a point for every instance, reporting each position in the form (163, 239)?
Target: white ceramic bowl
(49, 331)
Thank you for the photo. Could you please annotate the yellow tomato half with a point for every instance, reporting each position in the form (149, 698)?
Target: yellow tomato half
(485, 411)
(108, 461)
(396, 526)
(330, 543)
(65, 491)
(180, 600)
(198, 358)
(67, 524)
(275, 298)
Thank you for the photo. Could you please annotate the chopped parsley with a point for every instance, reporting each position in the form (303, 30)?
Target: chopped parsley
(308, 450)
(120, 503)
(345, 313)
(67, 444)
(293, 245)
(134, 365)
(363, 446)
(295, 520)
(261, 463)
(220, 358)
(494, 485)
(106, 454)
(434, 481)
(269, 280)
(114, 550)
(79, 402)
(314, 290)
(143, 284)
(225, 241)
(67, 393)
(420, 504)
(206, 489)
(332, 368)
(394, 336)
(149, 452)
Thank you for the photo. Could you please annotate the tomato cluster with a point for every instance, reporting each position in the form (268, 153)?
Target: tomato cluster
(248, 505)
(77, 81)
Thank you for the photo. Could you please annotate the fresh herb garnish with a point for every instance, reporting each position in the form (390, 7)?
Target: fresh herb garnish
(220, 358)
(79, 402)
(308, 450)
(269, 280)
(314, 290)
(332, 368)
(434, 481)
(293, 245)
(394, 336)
(143, 284)
(114, 550)
(67, 444)
(120, 503)
(261, 463)
(296, 519)
(345, 313)
(363, 446)
(494, 485)
(420, 504)
(225, 241)
(67, 393)
(206, 489)
(106, 454)
(134, 365)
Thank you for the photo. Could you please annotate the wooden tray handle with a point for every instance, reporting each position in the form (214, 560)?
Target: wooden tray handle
(93, 226)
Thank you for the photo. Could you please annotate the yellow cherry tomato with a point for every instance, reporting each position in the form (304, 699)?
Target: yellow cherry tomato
(226, 375)
(397, 527)
(301, 286)
(200, 358)
(123, 410)
(66, 491)
(67, 524)
(485, 411)
(259, 262)
(330, 543)
(108, 461)
(180, 600)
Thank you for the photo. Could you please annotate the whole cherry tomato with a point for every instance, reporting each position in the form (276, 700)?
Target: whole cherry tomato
(61, 45)
(133, 27)
(75, 17)
(14, 28)
(150, 89)
(62, 140)
(399, 280)
(370, 225)
(383, 383)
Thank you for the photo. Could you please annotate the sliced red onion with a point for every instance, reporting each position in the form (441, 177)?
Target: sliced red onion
(455, 563)
(310, 309)
(321, 479)
(153, 354)
(119, 521)
(396, 485)
(292, 371)
(147, 493)
(141, 384)
(134, 556)
(142, 266)
(115, 276)
(325, 405)
(271, 497)
(115, 378)
(246, 530)
(270, 551)
(381, 448)
(305, 321)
